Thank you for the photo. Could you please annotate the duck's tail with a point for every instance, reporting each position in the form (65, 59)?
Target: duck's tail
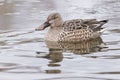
(104, 21)
(102, 30)
(99, 27)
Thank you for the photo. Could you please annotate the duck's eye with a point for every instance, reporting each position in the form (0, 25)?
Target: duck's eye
(55, 17)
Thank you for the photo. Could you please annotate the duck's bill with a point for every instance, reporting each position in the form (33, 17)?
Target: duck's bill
(43, 26)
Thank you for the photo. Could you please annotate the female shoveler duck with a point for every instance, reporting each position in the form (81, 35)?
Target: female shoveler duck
(71, 30)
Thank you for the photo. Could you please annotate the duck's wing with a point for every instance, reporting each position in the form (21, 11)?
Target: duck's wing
(71, 25)
(75, 24)
(94, 24)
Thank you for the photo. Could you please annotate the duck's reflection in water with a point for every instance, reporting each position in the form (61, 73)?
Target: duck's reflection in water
(85, 47)
(56, 50)
(55, 56)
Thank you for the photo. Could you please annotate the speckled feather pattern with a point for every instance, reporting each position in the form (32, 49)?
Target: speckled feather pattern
(76, 35)
(76, 30)
(76, 24)
(72, 30)
(71, 25)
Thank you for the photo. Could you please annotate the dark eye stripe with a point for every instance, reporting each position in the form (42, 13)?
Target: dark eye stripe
(55, 17)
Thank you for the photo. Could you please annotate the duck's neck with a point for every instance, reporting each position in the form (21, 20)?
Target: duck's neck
(52, 34)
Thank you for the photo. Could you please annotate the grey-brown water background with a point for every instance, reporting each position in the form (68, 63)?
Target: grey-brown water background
(20, 44)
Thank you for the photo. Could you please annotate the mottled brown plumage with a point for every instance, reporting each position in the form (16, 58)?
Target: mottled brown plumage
(71, 30)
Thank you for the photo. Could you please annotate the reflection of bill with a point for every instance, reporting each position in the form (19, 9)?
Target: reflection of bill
(53, 71)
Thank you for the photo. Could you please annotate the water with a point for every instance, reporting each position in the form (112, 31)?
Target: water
(25, 56)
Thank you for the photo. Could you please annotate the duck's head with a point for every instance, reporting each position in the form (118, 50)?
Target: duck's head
(54, 20)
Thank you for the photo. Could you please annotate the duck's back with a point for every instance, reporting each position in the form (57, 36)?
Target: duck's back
(80, 30)
(71, 25)
(76, 24)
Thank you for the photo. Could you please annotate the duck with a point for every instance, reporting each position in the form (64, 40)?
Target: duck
(75, 30)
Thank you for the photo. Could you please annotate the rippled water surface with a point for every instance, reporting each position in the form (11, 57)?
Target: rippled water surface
(25, 56)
